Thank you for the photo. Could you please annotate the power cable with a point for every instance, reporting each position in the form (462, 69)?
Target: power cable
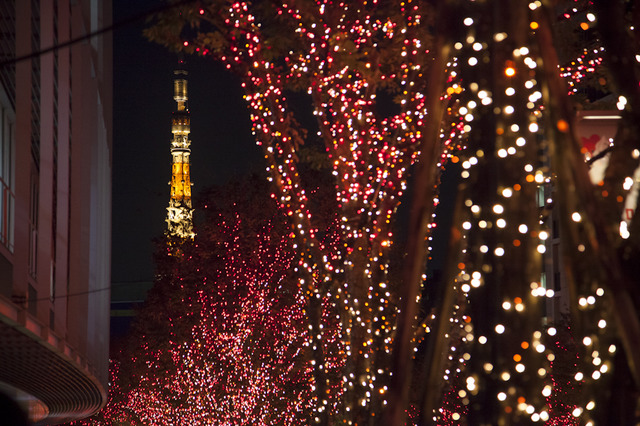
(96, 33)
(80, 293)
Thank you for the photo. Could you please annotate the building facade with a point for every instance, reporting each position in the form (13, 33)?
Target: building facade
(596, 130)
(55, 206)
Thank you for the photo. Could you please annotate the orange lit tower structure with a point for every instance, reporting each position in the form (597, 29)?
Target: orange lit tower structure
(180, 212)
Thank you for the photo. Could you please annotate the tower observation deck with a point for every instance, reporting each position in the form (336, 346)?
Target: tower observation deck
(180, 211)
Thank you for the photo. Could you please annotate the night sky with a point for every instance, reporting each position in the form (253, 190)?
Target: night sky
(222, 145)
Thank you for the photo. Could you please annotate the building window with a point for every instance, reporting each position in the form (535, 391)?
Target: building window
(35, 83)
(7, 152)
(32, 300)
(8, 49)
(33, 226)
(557, 278)
(7, 122)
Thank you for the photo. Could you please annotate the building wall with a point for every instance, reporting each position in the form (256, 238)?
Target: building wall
(595, 130)
(55, 270)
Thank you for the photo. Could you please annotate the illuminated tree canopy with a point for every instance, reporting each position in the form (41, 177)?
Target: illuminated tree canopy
(222, 336)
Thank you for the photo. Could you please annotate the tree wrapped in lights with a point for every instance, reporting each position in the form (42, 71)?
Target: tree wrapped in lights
(345, 56)
(523, 160)
(221, 339)
(244, 360)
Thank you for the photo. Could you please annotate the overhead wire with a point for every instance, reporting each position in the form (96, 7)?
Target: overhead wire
(79, 293)
(95, 33)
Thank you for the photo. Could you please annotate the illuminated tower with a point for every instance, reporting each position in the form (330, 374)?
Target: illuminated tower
(179, 212)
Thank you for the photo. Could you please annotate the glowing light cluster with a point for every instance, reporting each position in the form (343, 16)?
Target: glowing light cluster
(581, 66)
(232, 335)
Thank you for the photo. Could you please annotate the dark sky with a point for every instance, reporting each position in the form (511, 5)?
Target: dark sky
(222, 145)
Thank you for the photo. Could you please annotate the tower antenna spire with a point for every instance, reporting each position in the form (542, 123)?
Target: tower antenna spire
(180, 211)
